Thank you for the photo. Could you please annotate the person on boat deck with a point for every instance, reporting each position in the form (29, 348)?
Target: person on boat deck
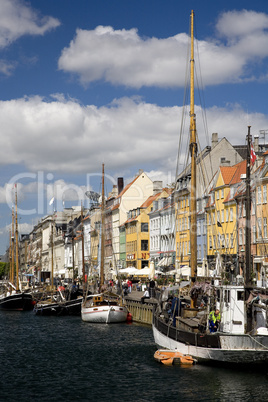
(174, 310)
(214, 320)
(146, 295)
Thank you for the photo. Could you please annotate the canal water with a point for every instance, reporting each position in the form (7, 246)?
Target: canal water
(65, 359)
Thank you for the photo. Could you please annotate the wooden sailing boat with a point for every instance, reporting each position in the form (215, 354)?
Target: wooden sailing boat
(239, 339)
(60, 301)
(105, 307)
(14, 298)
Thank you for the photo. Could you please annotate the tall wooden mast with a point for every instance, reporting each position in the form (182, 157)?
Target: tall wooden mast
(17, 240)
(193, 151)
(102, 230)
(83, 247)
(248, 217)
(52, 253)
(12, 248)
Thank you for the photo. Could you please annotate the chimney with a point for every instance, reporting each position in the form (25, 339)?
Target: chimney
(120, 184)
(256, 143)
(157, 187)
(214, 140)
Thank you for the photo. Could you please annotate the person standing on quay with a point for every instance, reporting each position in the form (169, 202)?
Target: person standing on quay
(129, 284)
(151, 288)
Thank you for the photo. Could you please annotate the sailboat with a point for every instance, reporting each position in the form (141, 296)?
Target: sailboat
(241, 338)
(13, 298)
(106, 307)
(62, 302)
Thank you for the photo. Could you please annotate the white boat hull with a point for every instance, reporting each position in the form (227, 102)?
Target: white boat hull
(104, 314)
(239, 349)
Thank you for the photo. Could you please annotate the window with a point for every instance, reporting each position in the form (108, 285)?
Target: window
(199, 253)
(212, 198)
(265, 228)
(254, 234)
(253, 205)
(222, 193)
(226, 296)
(144, 245)
(222, 215)
(223, 240)
(144, 227)
(259, 195)
(240, 237)
(227, 215)
(240, 295)
(232, 240)
(217, 194)
(231, 215)
(264, 194)
(240, 210)
(259, 227)
(198, 227)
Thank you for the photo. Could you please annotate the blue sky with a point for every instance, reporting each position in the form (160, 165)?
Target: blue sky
(86, 82)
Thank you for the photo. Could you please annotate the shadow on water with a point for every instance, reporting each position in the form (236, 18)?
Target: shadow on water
(65, 359)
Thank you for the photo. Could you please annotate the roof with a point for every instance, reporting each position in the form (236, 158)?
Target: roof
(149, 200)
(232, 174)
(127, 187)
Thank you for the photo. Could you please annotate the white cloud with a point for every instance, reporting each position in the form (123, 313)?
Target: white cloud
(18, 19)
(122, 57)
(70, 138)
(235, 24)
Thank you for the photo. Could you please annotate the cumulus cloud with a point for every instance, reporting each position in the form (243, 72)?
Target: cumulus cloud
(18, 19)
(122, 57)
(64, 136)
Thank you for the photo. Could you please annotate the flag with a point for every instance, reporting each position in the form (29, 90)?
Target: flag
(51, 201)
(253, 156)
(219, 224)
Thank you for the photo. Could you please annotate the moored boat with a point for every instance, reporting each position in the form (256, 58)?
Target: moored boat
(12, 297)
(54, 307)
(242, 335)
(16, 300)
(105, 307)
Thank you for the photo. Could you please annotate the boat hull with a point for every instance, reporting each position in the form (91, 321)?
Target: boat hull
(215, 348)
(17, 302)
(104, 314)
(70, 307)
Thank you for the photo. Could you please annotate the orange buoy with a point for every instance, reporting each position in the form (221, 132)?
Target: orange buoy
(170, 357)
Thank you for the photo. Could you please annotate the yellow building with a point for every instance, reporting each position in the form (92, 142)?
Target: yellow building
(182, 213)
(137, 233)
(222, 215)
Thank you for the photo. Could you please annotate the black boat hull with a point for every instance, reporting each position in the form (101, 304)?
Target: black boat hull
(69, 307)
(17, 302)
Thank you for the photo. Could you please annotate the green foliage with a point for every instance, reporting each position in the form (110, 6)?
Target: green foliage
(4, 269)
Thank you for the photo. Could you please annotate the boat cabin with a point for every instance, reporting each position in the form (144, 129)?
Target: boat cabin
(230, 302)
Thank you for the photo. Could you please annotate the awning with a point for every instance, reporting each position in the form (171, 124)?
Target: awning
(61, 272)
(165, 262)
